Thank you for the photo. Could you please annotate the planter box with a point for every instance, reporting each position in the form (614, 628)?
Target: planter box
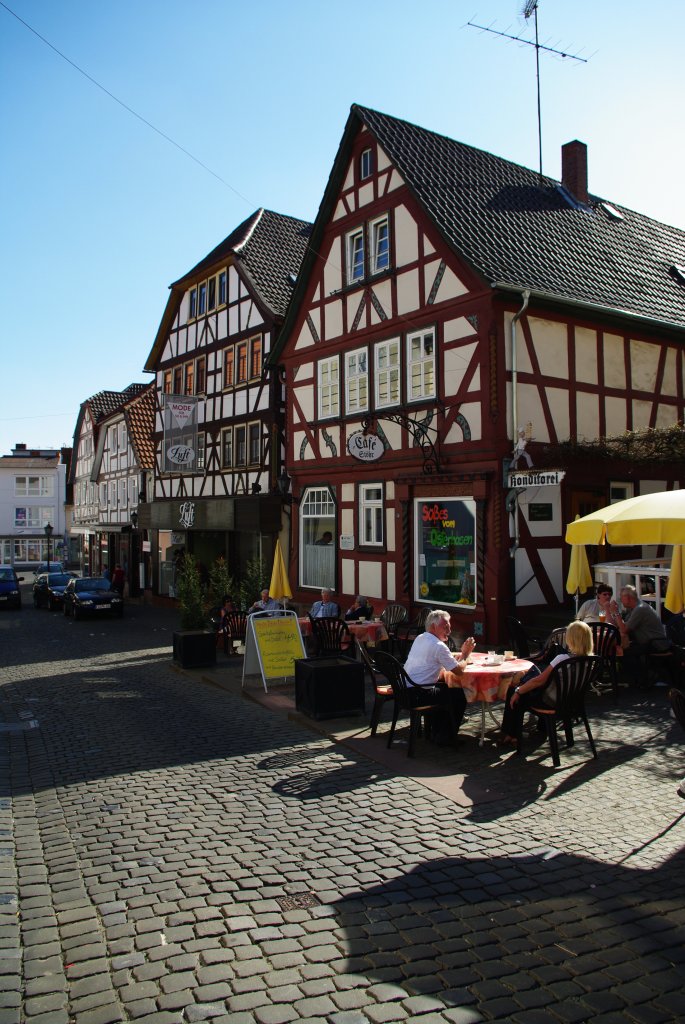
(195, 648)
(329, 687)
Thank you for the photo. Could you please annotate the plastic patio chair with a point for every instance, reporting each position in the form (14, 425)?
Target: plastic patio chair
(605, 640)
(401, 684)
(391, 617)
(331, 636)
(524, 646)
(235, 630)
(406, 632)
(383, 691)
(571, 679)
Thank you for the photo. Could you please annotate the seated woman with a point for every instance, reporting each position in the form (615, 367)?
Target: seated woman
(359, 610)
(530, 691)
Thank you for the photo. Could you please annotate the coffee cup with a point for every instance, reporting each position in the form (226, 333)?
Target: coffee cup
(508, 655)
(498, 659)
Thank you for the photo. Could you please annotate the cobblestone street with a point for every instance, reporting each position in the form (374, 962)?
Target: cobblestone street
(175, 852)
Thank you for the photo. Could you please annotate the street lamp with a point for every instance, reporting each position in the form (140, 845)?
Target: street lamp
(48, 535)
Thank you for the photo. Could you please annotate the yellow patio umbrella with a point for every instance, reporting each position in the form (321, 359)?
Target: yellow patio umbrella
(579, 577)
(280, 584)
(648, 519)
(675, 593)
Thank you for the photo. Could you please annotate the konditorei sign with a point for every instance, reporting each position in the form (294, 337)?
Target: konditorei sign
(535, 477)
(365, 447)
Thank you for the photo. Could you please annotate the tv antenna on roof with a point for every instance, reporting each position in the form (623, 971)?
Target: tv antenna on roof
(530, 10)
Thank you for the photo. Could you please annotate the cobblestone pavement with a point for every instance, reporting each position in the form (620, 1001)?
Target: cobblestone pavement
(173, 852)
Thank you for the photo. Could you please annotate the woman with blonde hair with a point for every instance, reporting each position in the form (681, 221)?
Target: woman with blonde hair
(528, 692)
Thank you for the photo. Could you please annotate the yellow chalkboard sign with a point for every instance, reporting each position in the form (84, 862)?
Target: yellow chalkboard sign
(277, 642)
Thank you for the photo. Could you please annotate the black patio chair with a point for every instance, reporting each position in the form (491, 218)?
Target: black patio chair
(401, 685)
(569, 682)
(605, 641)
(382, 689)
(392, 616)
(331, 636)
(235, 630)
(523, 645)
(406, 632)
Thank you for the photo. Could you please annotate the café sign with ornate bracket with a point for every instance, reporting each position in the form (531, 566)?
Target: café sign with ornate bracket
(365, 447)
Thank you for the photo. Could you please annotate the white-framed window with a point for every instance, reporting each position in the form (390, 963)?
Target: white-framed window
(123, 440)
(202, 298)
(227, 447)
(366, 164)
(192, 304)
(329, 387)
(317, 532)
(240, 443)
(387, 372)
(222, 288)
(122, 494)
(200, 452)
(33, 517)
(113, 447)
(211, 293)
(379, 244)
(355, 256)
(357, 381)
(103, 495)
(254, 440)
(371, 514)
(34, 486)
(113, 494)
(619, 490)
(421, 365)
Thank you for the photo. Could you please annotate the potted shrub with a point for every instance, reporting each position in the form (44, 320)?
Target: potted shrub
(194, 643)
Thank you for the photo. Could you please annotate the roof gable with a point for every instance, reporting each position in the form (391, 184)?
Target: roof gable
(268, 248)
(516, 229)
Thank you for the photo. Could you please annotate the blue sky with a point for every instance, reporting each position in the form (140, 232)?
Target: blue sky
(100, 214)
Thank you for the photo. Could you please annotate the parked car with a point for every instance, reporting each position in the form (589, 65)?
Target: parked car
(91, 594)
(10, 594)
(48, 589)
(55, 566)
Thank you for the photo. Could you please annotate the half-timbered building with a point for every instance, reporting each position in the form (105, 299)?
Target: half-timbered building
(220, 414)
(122, 474)
(85, 518)
(459, 323)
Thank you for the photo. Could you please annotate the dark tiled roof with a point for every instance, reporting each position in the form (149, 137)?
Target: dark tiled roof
(511, 227)
(270, 247)
(140, 419)
(104, 403)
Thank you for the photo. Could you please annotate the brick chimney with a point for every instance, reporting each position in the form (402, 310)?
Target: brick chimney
(574, 169)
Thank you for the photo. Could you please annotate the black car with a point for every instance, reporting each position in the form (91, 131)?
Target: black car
(48, 589)
(10, 595)
(92, 594)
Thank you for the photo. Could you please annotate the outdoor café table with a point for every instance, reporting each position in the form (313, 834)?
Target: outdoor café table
(482, 681)
(371, 632)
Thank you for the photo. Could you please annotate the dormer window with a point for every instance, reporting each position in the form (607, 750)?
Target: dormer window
(374, 238)
(678, 273)
(366, 164)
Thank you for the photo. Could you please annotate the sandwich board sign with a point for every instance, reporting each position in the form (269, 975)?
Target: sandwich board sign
(273, 643)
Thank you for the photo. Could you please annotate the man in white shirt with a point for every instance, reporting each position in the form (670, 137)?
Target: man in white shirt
(433, 667)
(265, 604)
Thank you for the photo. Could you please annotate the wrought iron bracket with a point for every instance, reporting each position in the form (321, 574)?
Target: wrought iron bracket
(424, 434)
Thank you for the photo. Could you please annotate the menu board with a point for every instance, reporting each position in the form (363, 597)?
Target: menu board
(272, 645)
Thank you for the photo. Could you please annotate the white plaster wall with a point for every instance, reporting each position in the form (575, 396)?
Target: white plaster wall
(406, 237)
(349, 177)
(531, 593)
(670, 384)
(393, 432)
(347, 522)
(613, 360)
(305, 396)
(333, 319)
(240, 402)
(558, 399)
(450, 287)
(304, 371)
(641, 414)
(233, 320)
(396, 181)
(366, 194)
(382, 160)
(455, 363)
(233, 284)
(255, 319)
(390, 532)
(551, 347)
(530, 408)
(383, 290)
(458, 328)
(587, 416)
(222, 327)
(586, 355)
(370, 579)
(390, 582)
(304, 338)
(340, 210)
(347, 492)
(347, 577)
(522, 360)
(644, 359)
(332, 271)
(471, 411)
(407, 292)
(616, 415)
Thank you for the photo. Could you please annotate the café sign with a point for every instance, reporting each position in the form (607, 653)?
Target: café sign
(365, 447)
(535, 477)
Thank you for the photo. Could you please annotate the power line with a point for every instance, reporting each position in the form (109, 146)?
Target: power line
(130, 110)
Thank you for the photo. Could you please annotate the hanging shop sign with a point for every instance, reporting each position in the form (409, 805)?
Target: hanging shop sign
(535, 477)
(365, 447)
